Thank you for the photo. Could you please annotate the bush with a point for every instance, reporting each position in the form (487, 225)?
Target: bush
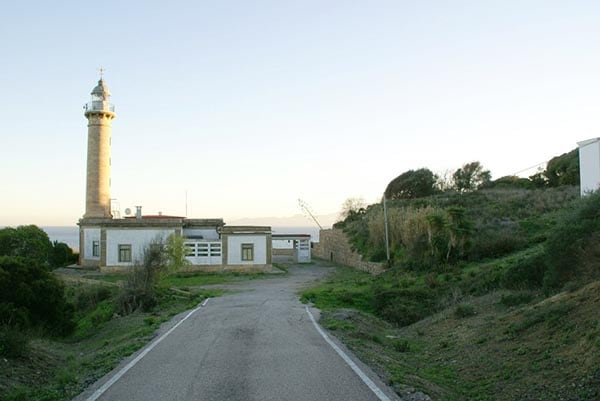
(13, 342)
(401, 345)
(31, 296)
(159, 257)
(496, 239)
(517, 298)
(569, 248)
(464, 310)
(138, 292)
(527, 272)
(89, 324)
(87, 298)
(61, 255)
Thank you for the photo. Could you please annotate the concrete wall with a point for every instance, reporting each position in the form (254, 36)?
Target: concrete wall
(334, 246)
(589, 165)
(138, 238)
(234, 249)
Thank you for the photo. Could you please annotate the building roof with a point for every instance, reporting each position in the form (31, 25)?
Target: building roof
(155, 216)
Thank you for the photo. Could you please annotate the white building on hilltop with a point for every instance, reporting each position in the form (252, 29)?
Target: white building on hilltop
(116, 244)
(589, 165)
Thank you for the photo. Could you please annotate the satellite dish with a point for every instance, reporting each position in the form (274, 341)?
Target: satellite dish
(128, 211)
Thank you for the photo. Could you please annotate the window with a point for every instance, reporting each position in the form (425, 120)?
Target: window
(95, 248)
(124, 252)
(247, 252)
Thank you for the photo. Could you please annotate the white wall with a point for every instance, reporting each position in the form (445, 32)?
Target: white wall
(589, 165)
(209, 234)
(89, 236)
(204, 252)
(138, 238)
(234, 249)
(283, 244)
(303, 251)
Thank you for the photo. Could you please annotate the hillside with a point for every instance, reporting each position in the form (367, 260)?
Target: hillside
(509, 311)
(485, 348)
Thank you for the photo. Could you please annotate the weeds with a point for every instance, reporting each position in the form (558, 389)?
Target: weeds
(14, 342)
(464, 310)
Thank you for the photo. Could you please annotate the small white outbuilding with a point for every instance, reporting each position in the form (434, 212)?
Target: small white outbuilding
(589, 165)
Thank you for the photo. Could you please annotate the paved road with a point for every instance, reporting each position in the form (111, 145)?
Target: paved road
(255, 344)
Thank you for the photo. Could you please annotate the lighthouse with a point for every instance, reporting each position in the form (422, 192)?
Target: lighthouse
(100, 113)
(114, 243)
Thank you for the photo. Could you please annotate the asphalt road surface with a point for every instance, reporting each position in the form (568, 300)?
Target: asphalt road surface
(257, 343)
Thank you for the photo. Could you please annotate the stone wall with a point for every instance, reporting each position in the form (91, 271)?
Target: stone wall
(334, 246)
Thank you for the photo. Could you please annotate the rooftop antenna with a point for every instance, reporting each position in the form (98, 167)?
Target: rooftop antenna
(306, 209)
(115, 208)
(186, 203)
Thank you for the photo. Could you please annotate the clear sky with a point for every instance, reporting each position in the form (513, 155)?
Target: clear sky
(250, 105)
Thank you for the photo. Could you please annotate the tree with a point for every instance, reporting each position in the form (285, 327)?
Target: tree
(511, 181)
(563, 169)
(29, 242)
(471, 177)
(353, 207)
(159, 258)
(62, 255)
(176, 250)
(412, 184)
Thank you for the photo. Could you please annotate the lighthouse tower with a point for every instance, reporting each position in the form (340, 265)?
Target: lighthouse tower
(100, 113)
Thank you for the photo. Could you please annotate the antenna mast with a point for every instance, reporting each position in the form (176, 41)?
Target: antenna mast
(306, 208)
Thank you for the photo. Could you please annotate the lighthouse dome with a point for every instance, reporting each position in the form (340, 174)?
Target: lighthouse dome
(101, 91)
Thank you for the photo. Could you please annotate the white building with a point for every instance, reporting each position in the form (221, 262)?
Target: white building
(291, 248)
(589, 165)
(112, 244)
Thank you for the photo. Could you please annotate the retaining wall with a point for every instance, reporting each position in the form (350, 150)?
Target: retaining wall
(334, 246)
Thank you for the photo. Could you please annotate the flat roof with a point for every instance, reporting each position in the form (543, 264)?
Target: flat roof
(289, 236)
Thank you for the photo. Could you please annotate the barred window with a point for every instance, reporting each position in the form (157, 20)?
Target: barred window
(247, 252)
(124, 252)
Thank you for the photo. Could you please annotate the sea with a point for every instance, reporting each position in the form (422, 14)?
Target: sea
(70, 234)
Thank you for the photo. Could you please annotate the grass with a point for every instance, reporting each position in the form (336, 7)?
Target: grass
(502, 345)
(346, 288)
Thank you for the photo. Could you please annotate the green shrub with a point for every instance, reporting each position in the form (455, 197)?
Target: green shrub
(517, 298)
(496, 239)
(32, 296)
(569, 248)
(61, 255)
(527, 272)
(88, 297)
(91, 321)
(14, 343)
(464, 310)
(401, 345)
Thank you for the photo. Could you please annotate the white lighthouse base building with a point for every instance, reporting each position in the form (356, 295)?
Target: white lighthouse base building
(116, 245)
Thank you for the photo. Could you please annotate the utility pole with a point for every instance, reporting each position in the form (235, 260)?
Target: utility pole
(387, 238)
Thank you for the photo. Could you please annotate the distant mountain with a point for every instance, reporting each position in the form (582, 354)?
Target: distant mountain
(298, 220)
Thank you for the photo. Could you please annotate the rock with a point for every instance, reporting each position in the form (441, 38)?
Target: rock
(410, 393)
(342, 314)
